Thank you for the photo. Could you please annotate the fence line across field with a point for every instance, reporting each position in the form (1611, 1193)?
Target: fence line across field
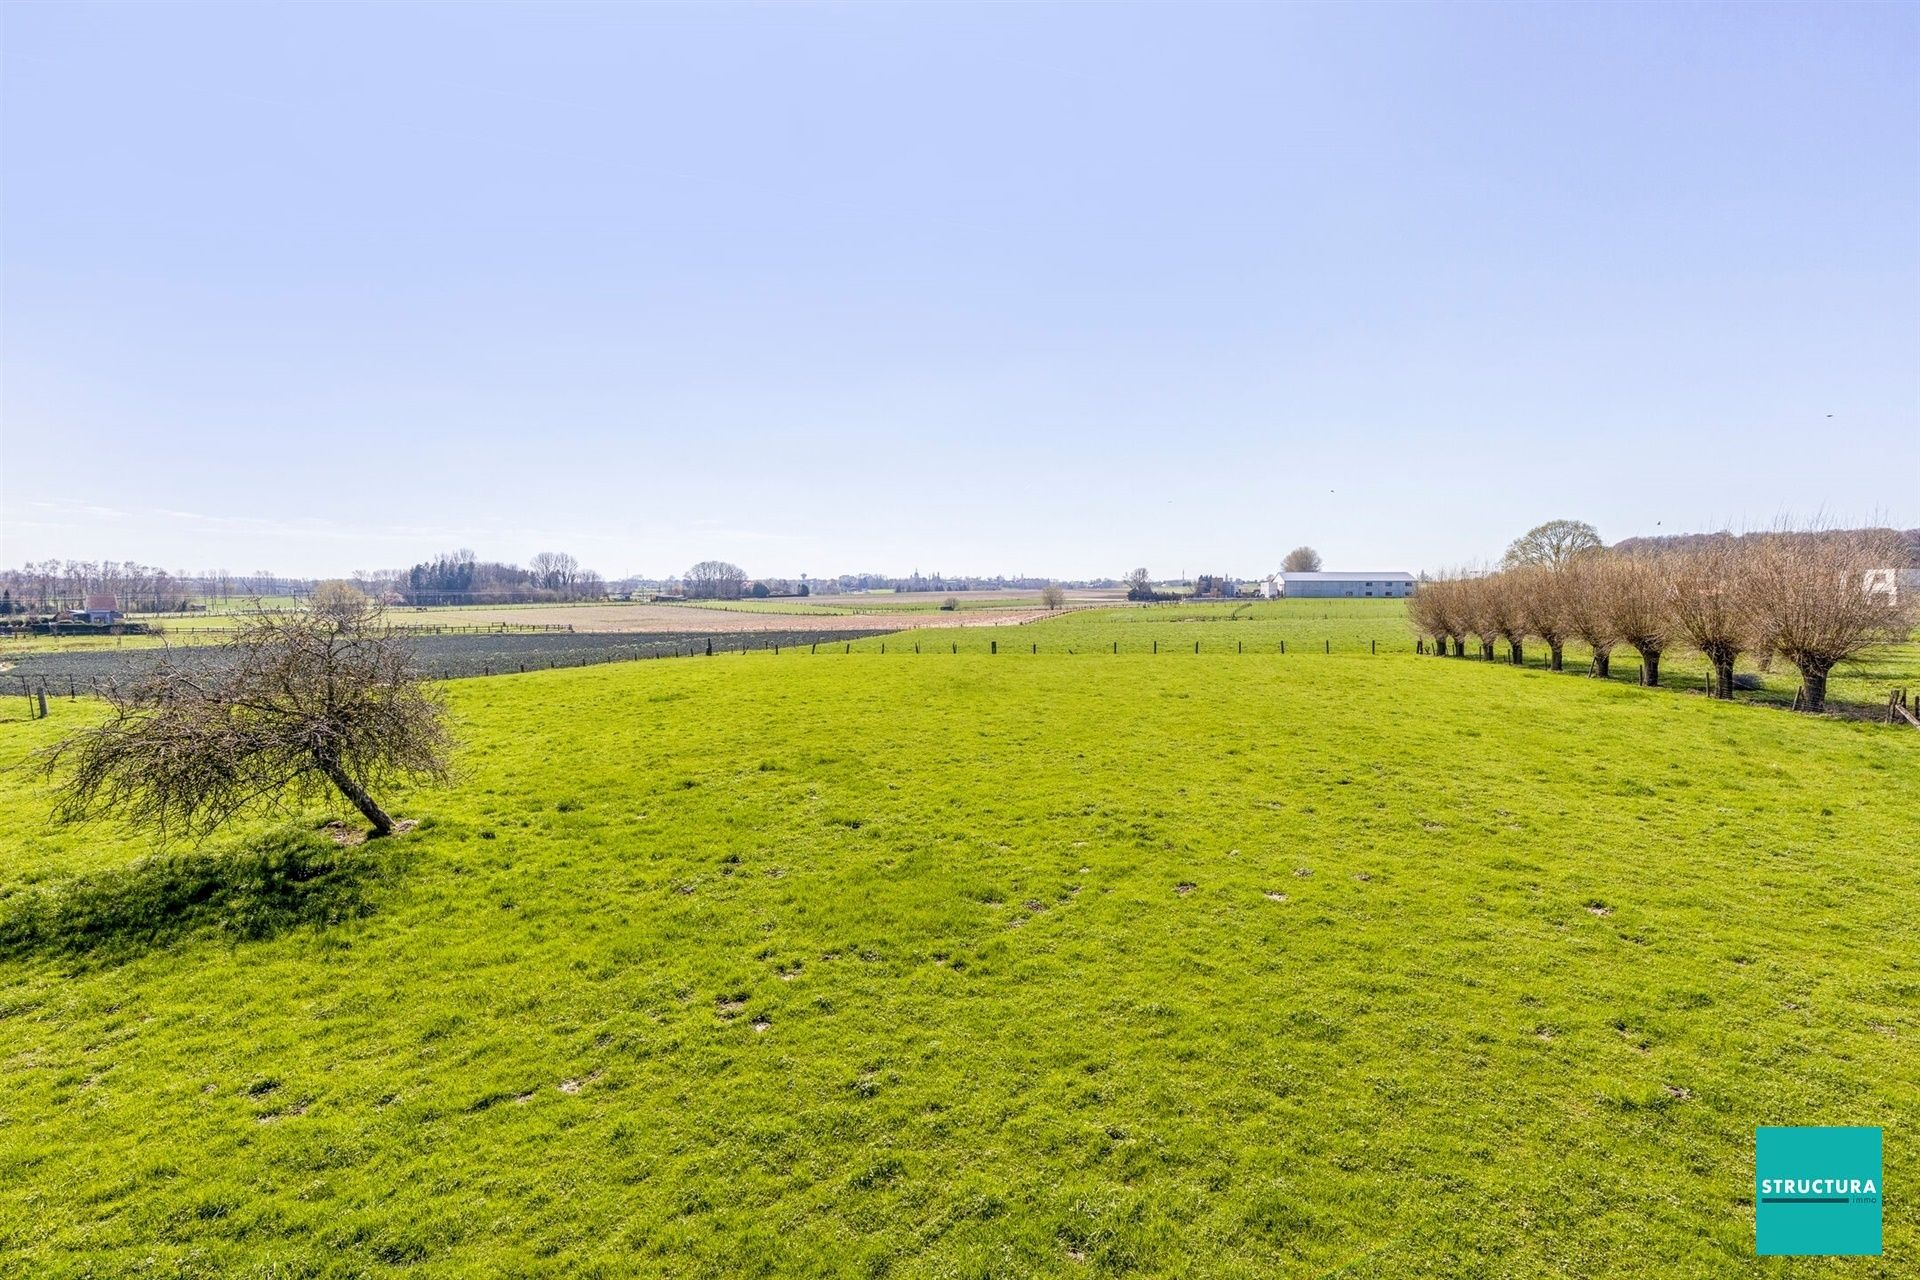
(53, 683)
(38, 687)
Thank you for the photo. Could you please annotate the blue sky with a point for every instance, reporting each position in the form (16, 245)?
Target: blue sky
(1058, 289)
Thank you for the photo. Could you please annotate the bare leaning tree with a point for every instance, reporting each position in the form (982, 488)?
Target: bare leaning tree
(295, 706)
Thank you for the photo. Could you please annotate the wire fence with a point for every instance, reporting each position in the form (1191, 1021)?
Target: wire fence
(461, 654)
(72, 676)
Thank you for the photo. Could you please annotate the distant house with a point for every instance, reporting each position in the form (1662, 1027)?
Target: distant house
(1392, 584)
(101, 611)
(1896, 584)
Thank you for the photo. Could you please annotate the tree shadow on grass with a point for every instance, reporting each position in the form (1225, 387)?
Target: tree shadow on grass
(274, 884)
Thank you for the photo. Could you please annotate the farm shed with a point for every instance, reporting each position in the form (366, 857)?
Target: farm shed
(1367, 583)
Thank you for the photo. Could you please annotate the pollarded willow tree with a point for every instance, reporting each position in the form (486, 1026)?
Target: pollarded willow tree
(1506, 612)
(1543, 603)
(1634, 593)
(292, 707)
(1583, 603)
(1818, 600)
(1430, 611)
(1715, 604)
(1478, 614)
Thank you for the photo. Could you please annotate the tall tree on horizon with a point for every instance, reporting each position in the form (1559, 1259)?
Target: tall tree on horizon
(1552, 545)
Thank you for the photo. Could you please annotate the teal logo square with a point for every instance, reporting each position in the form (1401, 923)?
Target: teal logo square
(1816, 1190)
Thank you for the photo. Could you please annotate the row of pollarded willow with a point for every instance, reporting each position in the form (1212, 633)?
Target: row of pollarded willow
(1814, 600)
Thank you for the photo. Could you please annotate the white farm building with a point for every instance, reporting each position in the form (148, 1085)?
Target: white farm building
(1376, 583)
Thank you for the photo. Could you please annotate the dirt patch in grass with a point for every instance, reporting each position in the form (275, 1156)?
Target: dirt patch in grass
(702, 620)
(347, 836)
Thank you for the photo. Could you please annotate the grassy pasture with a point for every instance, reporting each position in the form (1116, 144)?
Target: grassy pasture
(1312, 627)
(1216, 966)
(1216, 625)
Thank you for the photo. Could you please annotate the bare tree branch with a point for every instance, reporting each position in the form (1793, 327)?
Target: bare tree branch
(303, 703)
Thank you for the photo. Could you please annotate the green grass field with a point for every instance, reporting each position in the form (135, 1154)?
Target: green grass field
(1217, 626)
(1216, 965)
(1345, 627)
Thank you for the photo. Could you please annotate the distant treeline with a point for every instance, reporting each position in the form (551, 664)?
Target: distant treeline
(41, 586)
(460, 577)
(1903, 543)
